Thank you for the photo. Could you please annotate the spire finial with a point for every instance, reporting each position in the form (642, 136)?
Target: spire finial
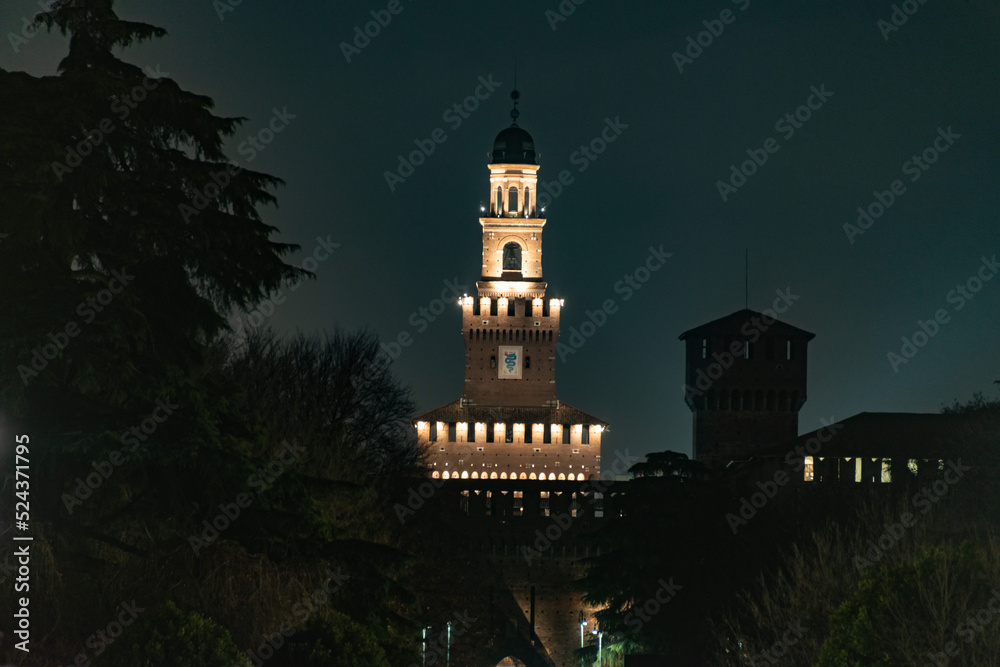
(515, 95)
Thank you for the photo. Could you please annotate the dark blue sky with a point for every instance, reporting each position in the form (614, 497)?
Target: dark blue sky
(884, 101)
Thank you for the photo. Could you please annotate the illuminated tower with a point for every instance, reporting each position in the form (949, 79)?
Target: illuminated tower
(509, 423)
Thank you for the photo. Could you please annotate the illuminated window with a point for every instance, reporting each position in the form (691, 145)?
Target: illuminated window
(809, 473)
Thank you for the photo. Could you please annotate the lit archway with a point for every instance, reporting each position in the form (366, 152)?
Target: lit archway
(510, 661)
(475, 475)
(446, 474)
(465, 474)
(436, 475)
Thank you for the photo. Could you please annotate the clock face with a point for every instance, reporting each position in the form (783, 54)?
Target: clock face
(512, 257)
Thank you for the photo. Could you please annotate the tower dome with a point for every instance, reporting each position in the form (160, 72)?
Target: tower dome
(514, 146)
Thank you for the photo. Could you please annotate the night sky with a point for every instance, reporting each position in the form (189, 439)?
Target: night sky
(887, 93)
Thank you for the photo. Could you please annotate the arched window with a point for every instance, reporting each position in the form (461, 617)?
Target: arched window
(532, 476)
(436, 475)
(512, 206)
(523, 476)
(512, 257)
(475, 475)
(503, 475)
(446, 474)
(493, 475)
(527, 201)
(465, 474)
(562, 476)
(493, 361)
(499, 206)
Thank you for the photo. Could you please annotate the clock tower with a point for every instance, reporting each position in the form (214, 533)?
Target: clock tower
(509, 422)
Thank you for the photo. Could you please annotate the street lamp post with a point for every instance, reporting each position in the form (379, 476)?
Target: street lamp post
(583, 622)
(600, 646)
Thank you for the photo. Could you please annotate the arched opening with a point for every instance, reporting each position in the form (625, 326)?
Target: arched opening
(499, 207)
(562, 476)
(523, 476)
(475, 475)
(512, 257)
(532, 476)
(503, 475)
(512, 206)
(446, 474)
(465, 474)
(436, 475)
(510, 661)
(527, 201)
(493, 475)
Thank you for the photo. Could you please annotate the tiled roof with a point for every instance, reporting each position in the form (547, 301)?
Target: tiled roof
(564, 414)
(734, 323)
(884, 435)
